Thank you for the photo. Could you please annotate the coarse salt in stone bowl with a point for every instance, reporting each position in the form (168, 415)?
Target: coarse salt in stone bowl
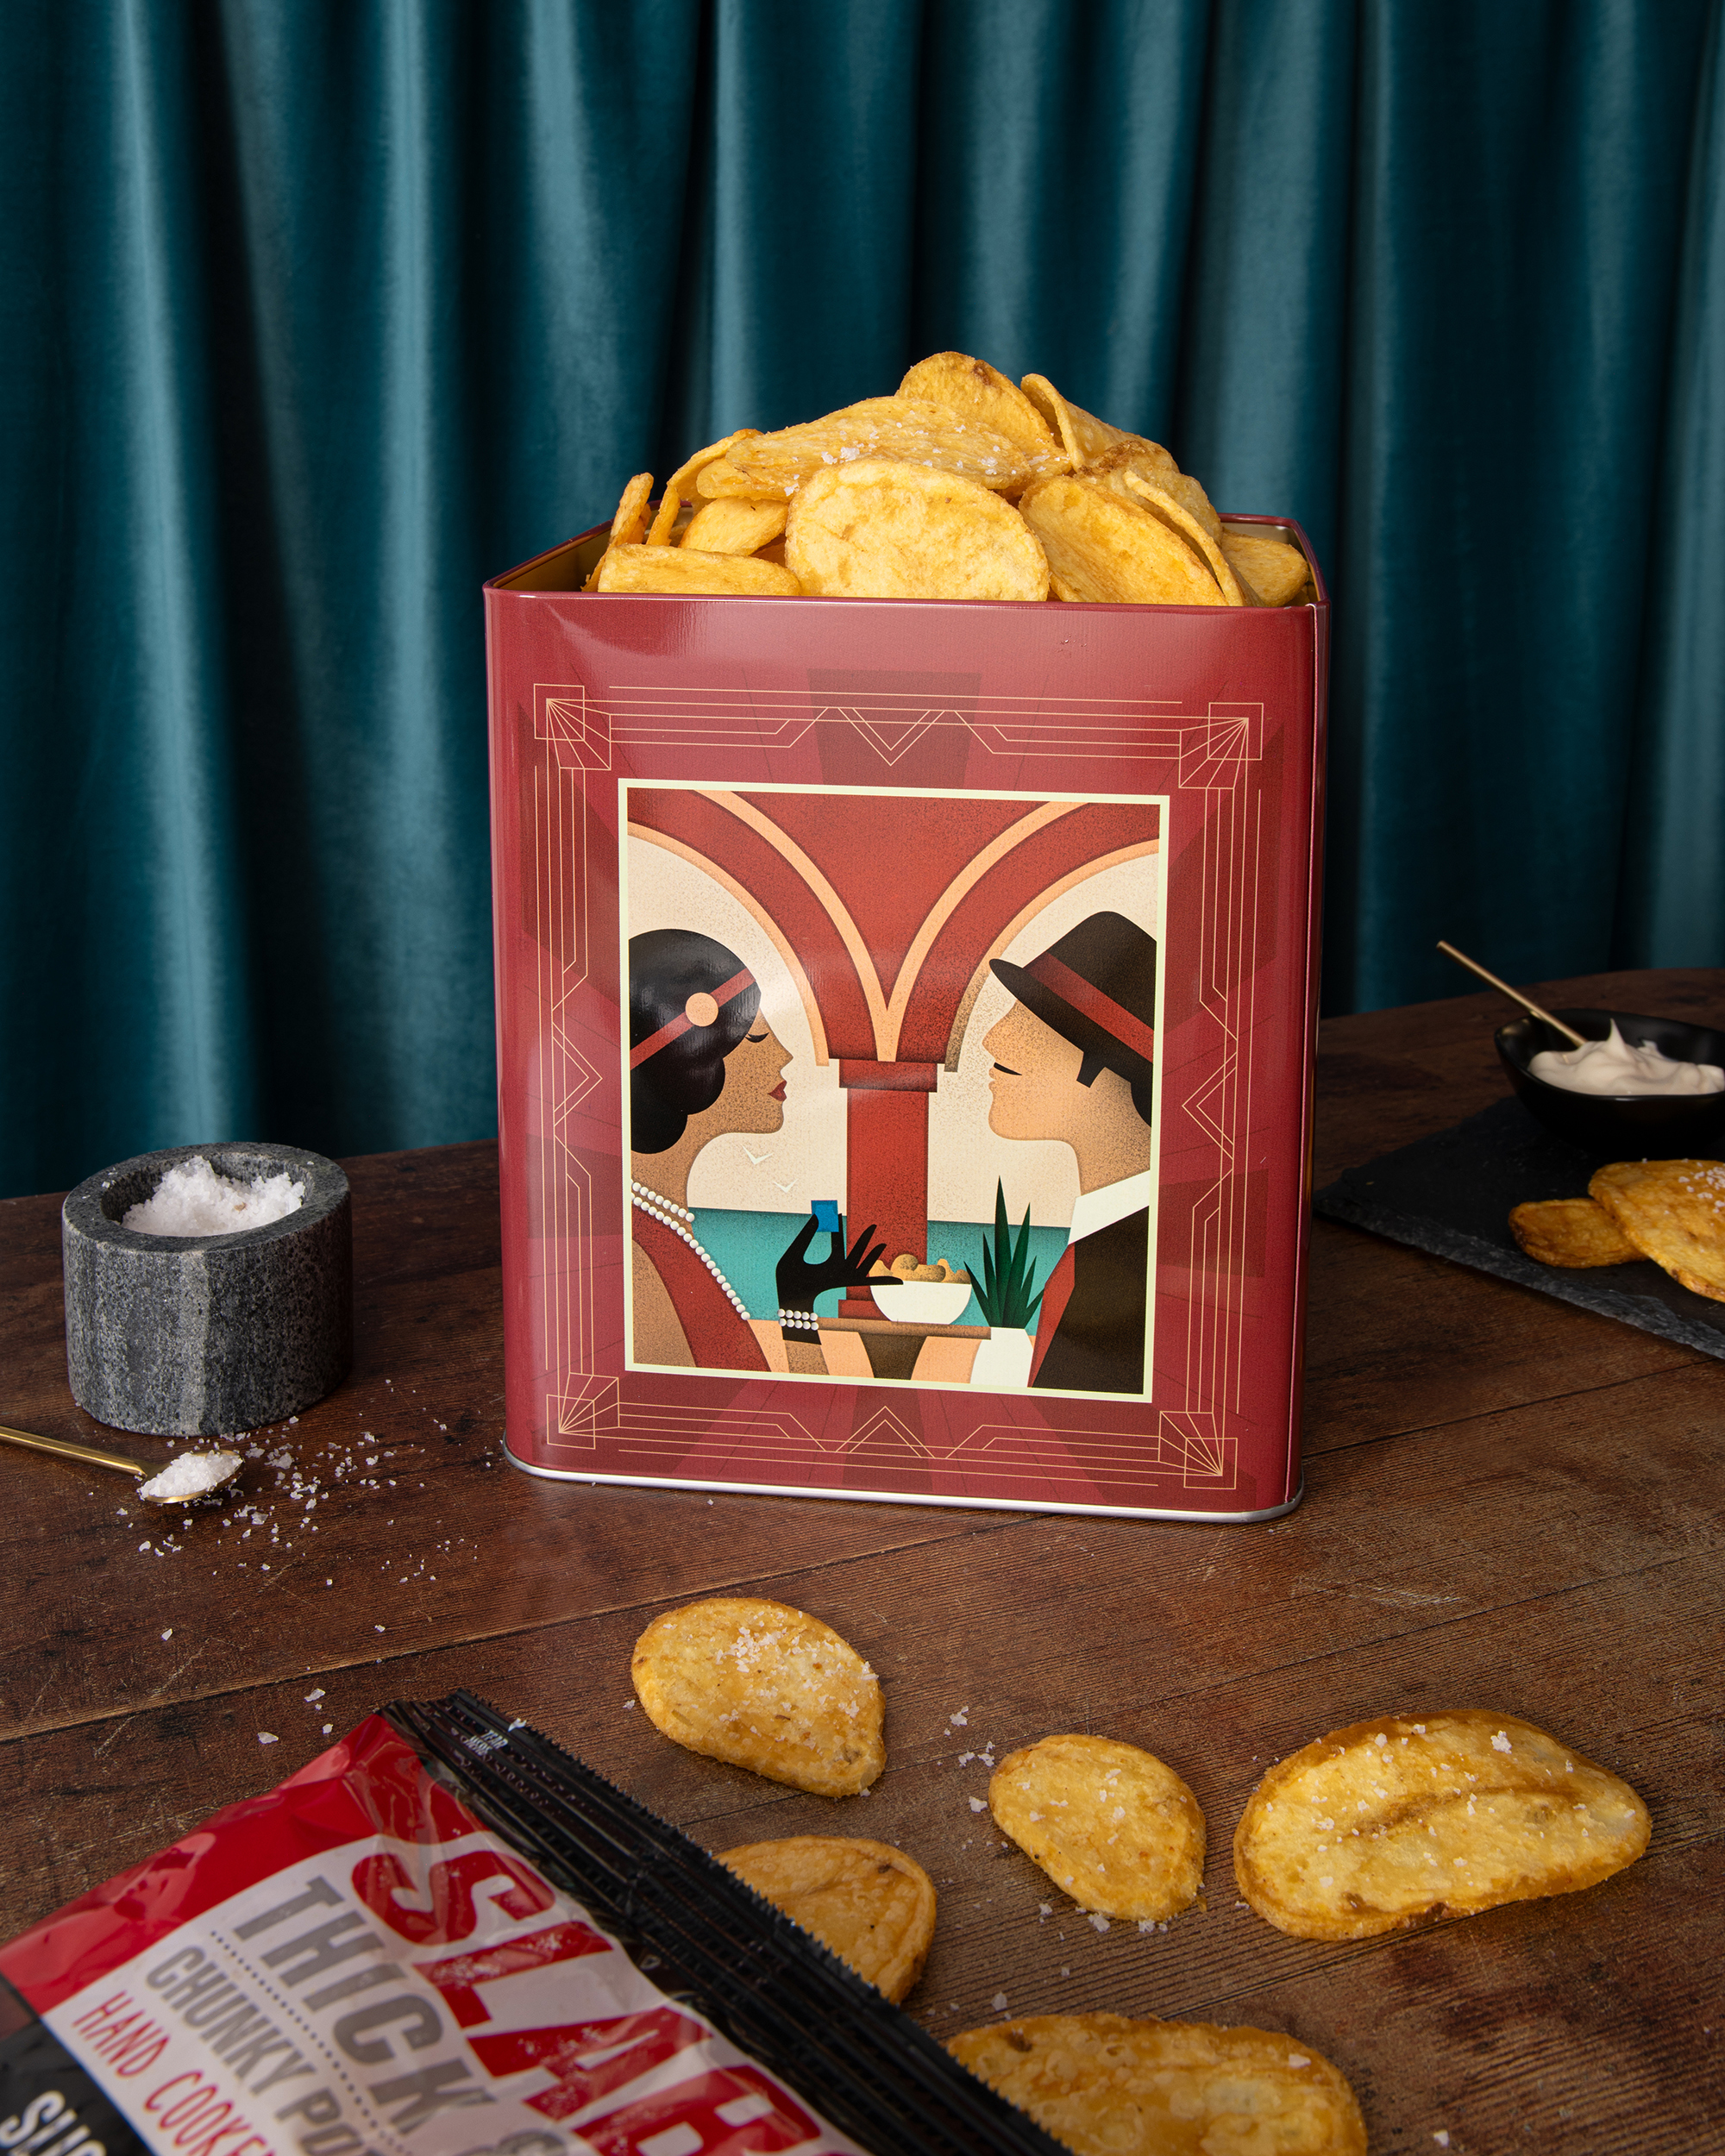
(195, 1335)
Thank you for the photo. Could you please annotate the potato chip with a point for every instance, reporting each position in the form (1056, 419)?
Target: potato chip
(1107, 2086)
(630, 520)
(1191, 497)
(765, 1687)
(1133, 454)
(733, 526)
(1121, 1831)
(1570, 1231)
(721, 481)
(1174, 514)
(1083, 437)
(1270, 571)
(904, 430)
(876, 530)
(1673, 1211)
(872, 1904)
(680, 484)
(1149, 460)
(628, 525)
(1104, 548)
(682, 569)
(977, 391)
(1388, 1822)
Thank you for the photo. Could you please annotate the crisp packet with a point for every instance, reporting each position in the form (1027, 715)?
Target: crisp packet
(445, 1937)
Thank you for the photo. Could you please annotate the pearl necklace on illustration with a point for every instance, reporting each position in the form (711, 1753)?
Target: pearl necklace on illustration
(669, 1215)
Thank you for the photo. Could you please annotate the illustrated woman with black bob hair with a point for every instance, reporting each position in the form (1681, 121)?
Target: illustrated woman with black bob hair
(704, 1064)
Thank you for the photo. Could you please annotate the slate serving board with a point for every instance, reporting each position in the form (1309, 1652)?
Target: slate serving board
(1452, 1193)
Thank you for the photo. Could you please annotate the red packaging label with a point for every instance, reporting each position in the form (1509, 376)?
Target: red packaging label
(353, 1965)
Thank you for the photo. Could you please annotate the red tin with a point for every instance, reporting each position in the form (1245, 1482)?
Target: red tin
(866, 837)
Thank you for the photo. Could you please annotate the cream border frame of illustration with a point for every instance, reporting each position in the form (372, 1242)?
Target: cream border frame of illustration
(1156, 849)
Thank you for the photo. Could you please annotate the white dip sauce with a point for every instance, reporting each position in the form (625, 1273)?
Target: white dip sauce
(1618, 1067)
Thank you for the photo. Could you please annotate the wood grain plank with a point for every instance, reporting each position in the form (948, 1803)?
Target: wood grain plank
(1447, 2027)
(1397, 1340)
(1510, 1502)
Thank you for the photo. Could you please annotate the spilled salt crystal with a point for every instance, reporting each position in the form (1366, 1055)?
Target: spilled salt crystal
(268, 1737)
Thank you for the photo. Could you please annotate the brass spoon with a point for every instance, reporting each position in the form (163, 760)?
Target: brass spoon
(1513, 995)
(93, 1456)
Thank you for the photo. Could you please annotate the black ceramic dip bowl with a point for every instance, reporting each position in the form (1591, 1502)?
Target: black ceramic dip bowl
(1644, 1126)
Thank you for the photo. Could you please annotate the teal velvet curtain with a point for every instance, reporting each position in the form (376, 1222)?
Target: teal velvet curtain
(316, 312)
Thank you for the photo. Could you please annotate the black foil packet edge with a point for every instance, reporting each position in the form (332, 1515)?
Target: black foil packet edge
(703, 1934)
(34, 2062)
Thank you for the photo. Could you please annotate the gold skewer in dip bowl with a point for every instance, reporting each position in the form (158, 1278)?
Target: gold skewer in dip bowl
(1616, 1083)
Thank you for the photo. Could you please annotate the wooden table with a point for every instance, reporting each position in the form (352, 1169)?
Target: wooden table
(1510, 1503)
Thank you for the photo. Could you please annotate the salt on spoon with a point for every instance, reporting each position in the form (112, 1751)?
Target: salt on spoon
(191, 1475)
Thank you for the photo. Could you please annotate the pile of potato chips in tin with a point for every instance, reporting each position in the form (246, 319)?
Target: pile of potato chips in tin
(962, 485)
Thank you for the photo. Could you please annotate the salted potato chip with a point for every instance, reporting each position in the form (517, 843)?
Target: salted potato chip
(721, 481)
(1121, 1831)
(1390, 1821)
(979, 391)
(1174, 514)
(733, 526)
(876, 530)
(683, 569)
(1270, 571)
(1673, 1211)
(868, 1901)
(1570, 1231)
(904, 430)
(1148, 460)
(1102, 547)
(765, 1687)
(680, 485)
(1107, 2086)
(1083, 437)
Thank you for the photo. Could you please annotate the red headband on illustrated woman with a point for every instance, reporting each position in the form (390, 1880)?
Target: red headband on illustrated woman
(701, 1010)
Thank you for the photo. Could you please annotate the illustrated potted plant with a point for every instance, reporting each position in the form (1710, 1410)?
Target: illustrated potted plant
(1002, 1286)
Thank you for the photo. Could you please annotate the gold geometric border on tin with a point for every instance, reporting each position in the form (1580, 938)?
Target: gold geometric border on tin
(1210, 751)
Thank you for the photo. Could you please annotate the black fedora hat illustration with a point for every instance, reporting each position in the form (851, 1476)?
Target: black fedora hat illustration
(1096, 987)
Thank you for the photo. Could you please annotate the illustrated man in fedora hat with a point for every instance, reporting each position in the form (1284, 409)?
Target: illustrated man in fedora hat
(1074, 1061)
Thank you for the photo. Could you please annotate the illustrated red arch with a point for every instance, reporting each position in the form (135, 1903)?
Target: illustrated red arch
(889, 966)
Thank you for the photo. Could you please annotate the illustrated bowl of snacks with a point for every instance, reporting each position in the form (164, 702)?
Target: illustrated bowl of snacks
(1643, 1086)
(926, 1295)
